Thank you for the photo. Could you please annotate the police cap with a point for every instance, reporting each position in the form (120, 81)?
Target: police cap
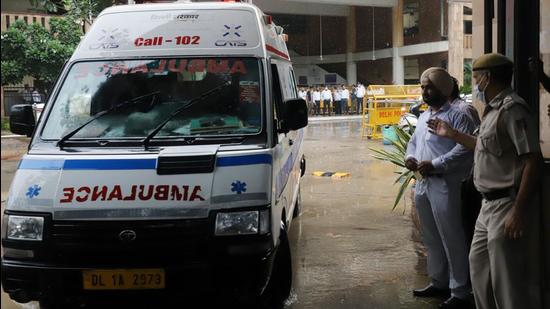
(492, 60)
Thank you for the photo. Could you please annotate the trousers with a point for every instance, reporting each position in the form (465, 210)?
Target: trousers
(438, 204)
(504, 271)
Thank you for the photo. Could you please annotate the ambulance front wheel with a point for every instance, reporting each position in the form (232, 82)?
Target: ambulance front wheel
(280, 283)
(297, 205)
(53, 304)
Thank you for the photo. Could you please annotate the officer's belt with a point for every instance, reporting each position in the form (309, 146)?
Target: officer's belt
(497, 194)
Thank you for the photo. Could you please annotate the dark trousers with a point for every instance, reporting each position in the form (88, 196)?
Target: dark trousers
(471, 205)
(326, 107)
(317, 107)
(337, 107)
(359, 106)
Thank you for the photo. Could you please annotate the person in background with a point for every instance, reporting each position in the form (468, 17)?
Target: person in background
(36, 96)
(471, 199)
(27, 94)
(310, 103)
(507, 172)
(353, 97)
(326, 96)
(442, 165)
(302, 94)
(543, 78)
(337, 95)
(317, 100)
(344, 100)
(360, 95)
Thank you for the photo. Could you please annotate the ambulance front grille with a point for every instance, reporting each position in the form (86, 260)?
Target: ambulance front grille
(156, 242)
(168, 165)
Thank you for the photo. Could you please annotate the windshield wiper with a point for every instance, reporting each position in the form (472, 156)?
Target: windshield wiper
(126, 103)
(180, 110)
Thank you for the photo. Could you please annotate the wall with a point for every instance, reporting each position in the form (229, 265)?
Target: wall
(383, 23)
(303, 33)
(429, 24)
(315, 74)
(375, 72)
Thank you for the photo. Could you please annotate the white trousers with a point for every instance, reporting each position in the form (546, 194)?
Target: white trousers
(438, 205)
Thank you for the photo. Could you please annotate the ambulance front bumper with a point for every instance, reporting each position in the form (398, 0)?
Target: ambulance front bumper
(194, 261)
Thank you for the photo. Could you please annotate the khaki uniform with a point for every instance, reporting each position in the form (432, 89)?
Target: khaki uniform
(500, 267)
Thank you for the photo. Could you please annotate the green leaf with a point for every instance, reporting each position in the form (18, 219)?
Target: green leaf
(402, 189)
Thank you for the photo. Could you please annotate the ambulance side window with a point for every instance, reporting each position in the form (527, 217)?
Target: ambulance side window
(277, 96)
(293, 82)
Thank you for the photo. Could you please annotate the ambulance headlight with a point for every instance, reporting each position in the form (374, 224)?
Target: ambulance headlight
(24, 228)
(242, 223)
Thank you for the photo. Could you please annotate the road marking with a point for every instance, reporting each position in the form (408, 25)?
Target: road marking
(331, 174)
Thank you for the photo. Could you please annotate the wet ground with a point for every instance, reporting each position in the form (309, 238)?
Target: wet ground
(349, 249)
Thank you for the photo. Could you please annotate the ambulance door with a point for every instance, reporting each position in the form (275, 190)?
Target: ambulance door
(284, 158)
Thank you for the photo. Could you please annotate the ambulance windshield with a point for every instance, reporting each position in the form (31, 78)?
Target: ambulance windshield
(94, 87)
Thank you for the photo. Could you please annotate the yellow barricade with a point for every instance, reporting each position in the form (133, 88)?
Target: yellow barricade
(384, 105)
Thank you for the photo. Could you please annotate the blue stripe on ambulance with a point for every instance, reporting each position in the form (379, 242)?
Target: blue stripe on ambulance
(130, 164)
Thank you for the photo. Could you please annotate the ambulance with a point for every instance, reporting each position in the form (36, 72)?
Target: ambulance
(167, 161)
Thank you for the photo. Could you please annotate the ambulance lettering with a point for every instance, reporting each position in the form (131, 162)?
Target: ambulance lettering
(215, 66)
(156, 41)
(223, 43)
(136, 192)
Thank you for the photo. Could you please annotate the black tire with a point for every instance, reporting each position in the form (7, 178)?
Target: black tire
(297, 205)
(53, 304)
(280, 283)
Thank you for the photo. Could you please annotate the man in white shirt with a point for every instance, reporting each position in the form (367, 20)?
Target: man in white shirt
(360, 96)
(317, 100)
(344, 100)
(302, 94)
(36, 96)
(337, 97)
(326, 95)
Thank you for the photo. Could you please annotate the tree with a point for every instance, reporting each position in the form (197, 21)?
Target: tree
(467, 85)
(82, 10)
(36, 51)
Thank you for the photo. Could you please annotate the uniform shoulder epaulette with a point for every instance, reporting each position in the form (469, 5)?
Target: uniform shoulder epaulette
(512, 99)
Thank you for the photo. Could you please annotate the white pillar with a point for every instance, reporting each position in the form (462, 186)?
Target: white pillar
(398, 63)
(351, 71)
(398, 68)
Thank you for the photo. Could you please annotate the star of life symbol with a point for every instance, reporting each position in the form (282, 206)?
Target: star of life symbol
(231, 31)
(111, 38)
(238, 187)
(33, 191)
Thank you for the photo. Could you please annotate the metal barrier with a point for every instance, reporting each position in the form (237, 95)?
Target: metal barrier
(385, 106)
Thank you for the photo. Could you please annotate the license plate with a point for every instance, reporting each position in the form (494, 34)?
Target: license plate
(123, 279)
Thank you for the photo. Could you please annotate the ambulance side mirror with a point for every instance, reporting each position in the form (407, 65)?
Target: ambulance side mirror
(294, 115)
(22, 119)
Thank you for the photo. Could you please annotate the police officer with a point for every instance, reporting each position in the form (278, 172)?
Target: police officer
(507, 172)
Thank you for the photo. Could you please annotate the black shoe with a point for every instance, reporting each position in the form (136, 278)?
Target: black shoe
(455, 303)
(431, 291)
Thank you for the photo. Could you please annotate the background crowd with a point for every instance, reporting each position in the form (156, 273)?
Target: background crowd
(334, 99)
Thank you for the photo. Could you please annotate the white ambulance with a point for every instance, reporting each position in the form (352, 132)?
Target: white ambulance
(168, 159)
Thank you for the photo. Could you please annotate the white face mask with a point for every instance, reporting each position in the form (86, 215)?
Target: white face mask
(480, 94)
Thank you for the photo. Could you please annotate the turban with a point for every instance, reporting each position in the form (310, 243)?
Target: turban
(440, 78)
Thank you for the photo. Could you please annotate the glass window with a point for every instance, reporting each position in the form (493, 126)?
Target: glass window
(410, 18)
(156, 88)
